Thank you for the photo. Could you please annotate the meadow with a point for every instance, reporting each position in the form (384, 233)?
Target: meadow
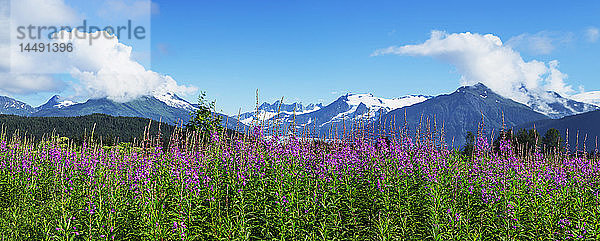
(293, 187)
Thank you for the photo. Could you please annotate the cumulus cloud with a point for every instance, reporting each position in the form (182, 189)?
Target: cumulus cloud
(592, 34)
(20, 13)
(106, 69)
(483, 58)
(543, 42)
(11, 83)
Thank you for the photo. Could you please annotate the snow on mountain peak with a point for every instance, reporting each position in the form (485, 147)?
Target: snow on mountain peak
(11, 106)
(555, 106)
(369, 106)
(57, 102)
(591, 97)
(64, 103)
(376, 103)
(267, 111)
(174, 101)
(546, 102)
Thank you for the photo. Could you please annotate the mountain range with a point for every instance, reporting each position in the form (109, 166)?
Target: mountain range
(267, 111)
(352, 109)
(167, 108)
(457, 112)
(11, 106)
(348, 108)
(555, 106)
(460, 112)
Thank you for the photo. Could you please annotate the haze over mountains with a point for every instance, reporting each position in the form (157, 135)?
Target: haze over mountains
(457, 112)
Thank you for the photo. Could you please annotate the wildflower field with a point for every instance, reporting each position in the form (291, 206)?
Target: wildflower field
(292, 187)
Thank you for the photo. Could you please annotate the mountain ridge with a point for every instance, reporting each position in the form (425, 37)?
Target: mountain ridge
(462, 111)
(55, 102)
(556, 106)
(14, 107)
(582, 128)
(345, 110)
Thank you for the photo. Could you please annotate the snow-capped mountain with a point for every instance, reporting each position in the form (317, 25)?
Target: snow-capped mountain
(11, 106)
(267, 111)
(460, 112)
(556, 106)
(367, 106)
(347, 109)
(341, 113)
(168, 108)
(174, 101)
(591, 97)
(147, 107)
(56, 102)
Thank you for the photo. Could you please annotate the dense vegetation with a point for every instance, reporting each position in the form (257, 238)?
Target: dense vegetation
(109, 129)
(293, 188)
(523, 143)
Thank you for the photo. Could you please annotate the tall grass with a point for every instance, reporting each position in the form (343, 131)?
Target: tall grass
(291, 187)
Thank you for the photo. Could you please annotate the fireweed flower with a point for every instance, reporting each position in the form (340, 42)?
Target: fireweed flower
(255, 173)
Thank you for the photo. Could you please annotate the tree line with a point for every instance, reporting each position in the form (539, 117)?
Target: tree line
(523, 142)
(109, 130)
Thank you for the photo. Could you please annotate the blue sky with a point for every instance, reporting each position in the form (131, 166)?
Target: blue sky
(307, 50)
(314, 51)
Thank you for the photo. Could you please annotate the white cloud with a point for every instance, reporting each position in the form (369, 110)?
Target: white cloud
(485, 59)
(21, 13)
(28, 84)
(543, 42)
(17, 12)
(592, 34)
(106, 69)
(42, 12)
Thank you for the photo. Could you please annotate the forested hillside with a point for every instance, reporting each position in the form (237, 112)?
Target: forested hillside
(107, 128)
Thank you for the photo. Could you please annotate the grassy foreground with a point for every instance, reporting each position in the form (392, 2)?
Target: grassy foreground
(291, 188)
